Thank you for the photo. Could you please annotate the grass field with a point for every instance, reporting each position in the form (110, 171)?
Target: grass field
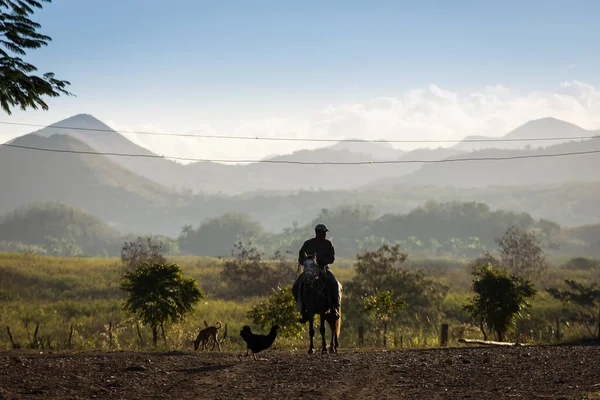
(84, 293)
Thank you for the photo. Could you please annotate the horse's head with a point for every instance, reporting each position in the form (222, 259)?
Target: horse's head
(310, 263)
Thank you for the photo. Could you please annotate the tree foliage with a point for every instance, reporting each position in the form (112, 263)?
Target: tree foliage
(215, 236)
(144, 250)
(18, 33)
(158, 294)
(280, 309)
(60, 229)
(584, 297)
(247, 275)
(382, 270)
(500, 299)
(383, 306)
(521, 252)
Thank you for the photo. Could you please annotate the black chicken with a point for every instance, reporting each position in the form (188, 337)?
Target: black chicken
(258, 343)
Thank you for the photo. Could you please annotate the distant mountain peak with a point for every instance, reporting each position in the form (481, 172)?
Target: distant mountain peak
(544, 127)
(82, 121)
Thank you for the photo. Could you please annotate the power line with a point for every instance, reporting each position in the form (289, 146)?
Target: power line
(291, 139)
(448, 160)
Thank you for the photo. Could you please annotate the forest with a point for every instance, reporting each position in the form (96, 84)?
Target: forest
(434, 229)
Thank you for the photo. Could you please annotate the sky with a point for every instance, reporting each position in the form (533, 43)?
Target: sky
(430, 70)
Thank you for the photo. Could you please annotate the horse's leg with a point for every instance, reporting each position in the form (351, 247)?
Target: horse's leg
(322, 330)
(332, 345)
(311, 333)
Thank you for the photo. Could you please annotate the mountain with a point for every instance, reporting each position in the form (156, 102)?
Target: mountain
(374, 150)
(36, 222)
(535, 129)
(102, 138)
(91, 182)
(208, 177)
(534, 170)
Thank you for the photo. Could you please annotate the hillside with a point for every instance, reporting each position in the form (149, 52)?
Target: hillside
(535, 129)
(374, 150)
(208, 177)
(103, 138)
(91, 182)
(35, 223)
(547, 170)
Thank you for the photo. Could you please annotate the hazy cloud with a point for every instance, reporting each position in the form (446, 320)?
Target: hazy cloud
(430, 113)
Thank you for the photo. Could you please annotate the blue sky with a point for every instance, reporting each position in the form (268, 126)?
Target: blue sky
(198, 63)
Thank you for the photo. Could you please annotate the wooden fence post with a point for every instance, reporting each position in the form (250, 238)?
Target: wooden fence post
(361, 338)
(70, 336)
(444, 338)
(110, 337)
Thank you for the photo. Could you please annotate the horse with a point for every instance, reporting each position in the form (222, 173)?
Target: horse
(315, 303)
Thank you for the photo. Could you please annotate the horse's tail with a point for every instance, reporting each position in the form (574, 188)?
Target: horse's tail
(338, 322)
(219, 325)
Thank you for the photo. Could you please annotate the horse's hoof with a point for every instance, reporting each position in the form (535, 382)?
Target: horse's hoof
(310, 351)
(324, 351)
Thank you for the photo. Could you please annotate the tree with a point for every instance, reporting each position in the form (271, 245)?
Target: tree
(586, 299)
(247, 275)
(142, 251)
(382, 269)
(18, 87)
(520, 251)
(383, 305)
(158, 294)
(280, 309)
(63, 247)
(500, 299)
(215, 236)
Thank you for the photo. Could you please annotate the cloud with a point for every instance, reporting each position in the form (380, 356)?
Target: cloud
(430, 113)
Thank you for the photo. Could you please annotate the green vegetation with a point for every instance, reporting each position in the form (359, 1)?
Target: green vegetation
(85, 293)
(279, 309)
(158, 294)
(457, 230)
(500, 299)
(384, 307)
(19, 33)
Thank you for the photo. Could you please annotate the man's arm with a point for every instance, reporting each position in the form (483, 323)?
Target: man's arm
(301, 253)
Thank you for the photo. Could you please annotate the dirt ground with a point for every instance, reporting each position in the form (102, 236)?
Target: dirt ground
(465, 373)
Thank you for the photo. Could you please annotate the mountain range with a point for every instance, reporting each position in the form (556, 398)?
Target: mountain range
(152, 194)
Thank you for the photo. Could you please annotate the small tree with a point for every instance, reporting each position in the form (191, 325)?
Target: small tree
(159, 293)
(18, 33)
(383, 306)
(247, 275)
(521, 252)
(500, 299)
(144, 250)
(280, 309)
(586, 299)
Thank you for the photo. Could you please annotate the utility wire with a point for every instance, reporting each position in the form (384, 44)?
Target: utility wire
(447, 160)
(291, 139)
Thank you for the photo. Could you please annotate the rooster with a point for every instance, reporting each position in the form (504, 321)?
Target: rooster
(258, 343)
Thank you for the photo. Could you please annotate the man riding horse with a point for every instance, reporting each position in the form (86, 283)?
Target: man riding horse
(325, 256)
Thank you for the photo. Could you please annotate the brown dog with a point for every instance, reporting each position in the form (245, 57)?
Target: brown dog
(205, 334)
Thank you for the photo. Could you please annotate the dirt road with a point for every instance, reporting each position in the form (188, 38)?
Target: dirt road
(467, 373)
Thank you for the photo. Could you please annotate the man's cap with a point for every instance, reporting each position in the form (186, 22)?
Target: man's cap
(321, 227)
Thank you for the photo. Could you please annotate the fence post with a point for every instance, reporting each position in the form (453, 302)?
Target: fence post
(444, 338)
(110, 337)
(361, 332)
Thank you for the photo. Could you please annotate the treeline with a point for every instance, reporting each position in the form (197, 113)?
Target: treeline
(61, 230)
(433, 229)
